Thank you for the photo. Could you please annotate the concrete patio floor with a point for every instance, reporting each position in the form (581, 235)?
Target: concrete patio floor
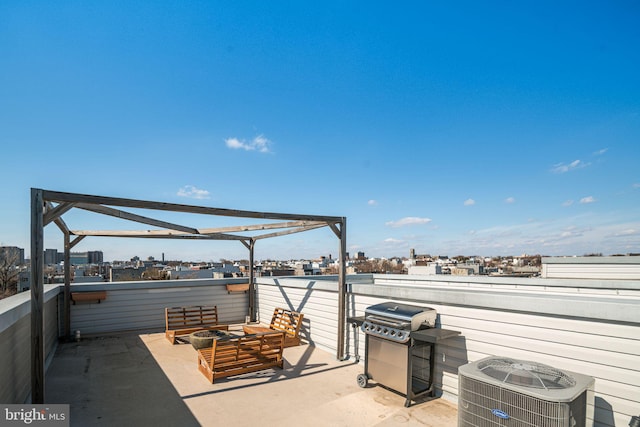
(142, 380)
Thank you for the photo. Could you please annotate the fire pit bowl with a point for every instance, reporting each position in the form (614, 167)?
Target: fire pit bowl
(204, 338)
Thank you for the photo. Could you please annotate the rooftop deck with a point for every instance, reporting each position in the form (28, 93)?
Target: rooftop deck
(141, 379)
(591, 327)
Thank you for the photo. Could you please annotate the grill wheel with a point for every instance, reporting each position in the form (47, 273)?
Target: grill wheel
(362, 380)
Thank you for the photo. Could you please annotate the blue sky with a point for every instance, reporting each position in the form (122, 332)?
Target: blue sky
(475, 128)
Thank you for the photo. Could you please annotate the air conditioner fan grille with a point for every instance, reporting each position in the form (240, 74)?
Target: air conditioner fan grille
(526, 374)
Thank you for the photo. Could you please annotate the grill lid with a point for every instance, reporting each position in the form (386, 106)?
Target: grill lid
(393, 315)
(396, 310)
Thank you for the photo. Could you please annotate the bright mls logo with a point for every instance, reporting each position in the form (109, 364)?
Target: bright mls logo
(34, 415)
(500, 414)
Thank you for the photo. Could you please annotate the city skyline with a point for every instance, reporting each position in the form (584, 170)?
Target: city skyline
(470, 129)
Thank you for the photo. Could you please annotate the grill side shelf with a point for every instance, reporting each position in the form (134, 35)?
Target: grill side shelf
(433, 335)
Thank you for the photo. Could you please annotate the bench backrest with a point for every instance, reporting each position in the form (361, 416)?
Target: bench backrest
(192, 316)
(287, 321)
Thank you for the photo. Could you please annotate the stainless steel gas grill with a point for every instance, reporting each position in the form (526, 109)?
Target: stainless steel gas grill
(400, 347)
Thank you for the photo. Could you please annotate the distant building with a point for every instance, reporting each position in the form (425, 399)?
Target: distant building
(50, 256)
(79, 258)
(280, 272)
(471, 269)
(125, 274)
(430, 269)
(82, 258)
(24, 281)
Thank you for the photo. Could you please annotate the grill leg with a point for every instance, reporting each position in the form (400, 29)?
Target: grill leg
(356, 344)
(407, 402)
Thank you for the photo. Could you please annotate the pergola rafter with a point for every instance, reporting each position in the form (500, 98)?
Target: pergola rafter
(49, 206)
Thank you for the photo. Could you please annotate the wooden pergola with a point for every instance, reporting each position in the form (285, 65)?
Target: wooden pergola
(49, 206)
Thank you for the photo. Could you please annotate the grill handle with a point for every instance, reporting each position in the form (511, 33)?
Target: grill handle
(387, 322)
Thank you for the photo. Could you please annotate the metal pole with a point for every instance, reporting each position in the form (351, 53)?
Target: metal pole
(37, 297)
(342, 291)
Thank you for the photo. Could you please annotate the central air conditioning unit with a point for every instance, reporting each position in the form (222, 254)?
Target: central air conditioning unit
(498, 391)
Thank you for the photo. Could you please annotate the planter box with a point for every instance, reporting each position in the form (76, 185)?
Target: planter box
(94, 296)
(238, 287)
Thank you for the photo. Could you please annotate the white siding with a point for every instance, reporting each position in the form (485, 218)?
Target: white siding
(317, 300)
(137, 306)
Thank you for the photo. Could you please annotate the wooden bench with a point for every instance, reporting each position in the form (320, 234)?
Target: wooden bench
(239, 355)
(186, 320)
(283, 320)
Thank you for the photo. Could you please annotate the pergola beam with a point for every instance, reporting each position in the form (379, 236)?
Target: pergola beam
(155, 234)
(54, 212)
(285, 232)
(258, 227)
(60, 197)
(136, 218)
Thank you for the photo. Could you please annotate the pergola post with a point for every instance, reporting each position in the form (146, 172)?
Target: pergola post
(252, 284)
(37, 297)
(67, 285)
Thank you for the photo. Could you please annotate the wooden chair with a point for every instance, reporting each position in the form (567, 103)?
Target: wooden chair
(240, 355)
(283, 320)
(186, 320)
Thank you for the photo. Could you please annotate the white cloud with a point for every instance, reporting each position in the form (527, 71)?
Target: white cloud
(588, 199)
(563, 168)
(259, 143)
(392, 240)
(636, 185)
(567, 203)
(193, 193)
(510, 200)
(469, 202)
(600, 152)
(372, 202)
(627, 232)
(409, 220)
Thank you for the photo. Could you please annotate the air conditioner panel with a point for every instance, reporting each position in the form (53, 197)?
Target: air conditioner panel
(485, 402)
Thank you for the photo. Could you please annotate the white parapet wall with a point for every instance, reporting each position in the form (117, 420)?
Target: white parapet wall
(609, 267)
(15, 342)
